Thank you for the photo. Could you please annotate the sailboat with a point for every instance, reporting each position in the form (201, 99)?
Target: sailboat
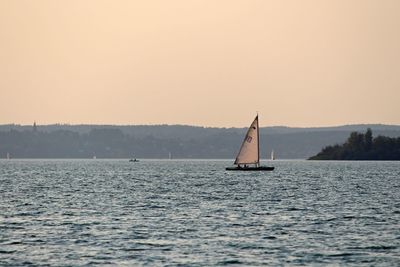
(249, 152)
(272, 155)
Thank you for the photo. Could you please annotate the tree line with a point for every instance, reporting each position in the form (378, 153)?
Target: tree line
(361, 146)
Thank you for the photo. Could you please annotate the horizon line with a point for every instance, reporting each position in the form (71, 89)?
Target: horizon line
(192, 125)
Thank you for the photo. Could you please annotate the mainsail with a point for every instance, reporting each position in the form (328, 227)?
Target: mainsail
(249, 151)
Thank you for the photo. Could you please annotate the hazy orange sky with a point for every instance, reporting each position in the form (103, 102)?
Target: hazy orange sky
(209, 63)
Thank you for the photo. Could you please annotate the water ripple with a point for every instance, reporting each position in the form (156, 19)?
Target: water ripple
(180, 213)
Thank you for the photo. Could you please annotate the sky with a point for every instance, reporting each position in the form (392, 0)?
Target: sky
(207, 63)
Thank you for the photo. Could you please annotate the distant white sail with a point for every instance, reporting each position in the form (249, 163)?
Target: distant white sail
(272, 155)
(249, 151)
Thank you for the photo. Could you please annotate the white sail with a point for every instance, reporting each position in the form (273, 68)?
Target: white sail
(249, 151)
(272, 155)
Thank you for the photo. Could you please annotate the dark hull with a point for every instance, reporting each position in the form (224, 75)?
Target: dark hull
(261, 168)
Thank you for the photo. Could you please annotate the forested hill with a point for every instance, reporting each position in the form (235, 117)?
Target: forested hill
(362, 147)
(157, 141)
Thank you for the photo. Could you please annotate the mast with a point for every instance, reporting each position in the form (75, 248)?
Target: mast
(258, 142)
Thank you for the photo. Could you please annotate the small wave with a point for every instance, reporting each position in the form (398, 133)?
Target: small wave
(382, 247)
(159, 244)
(331, 219)
(228, 262)
(261, 213)
(156, 207)
(10, 227)
(7, 251)
(349, 217)
(27, 263)
(340, 255)
(294, 209)
(31, 213)
(135, 249)
(275, 200)
(13, 243)
(90, 263)
(269, 237)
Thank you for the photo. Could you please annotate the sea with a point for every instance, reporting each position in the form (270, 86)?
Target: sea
(194, 213)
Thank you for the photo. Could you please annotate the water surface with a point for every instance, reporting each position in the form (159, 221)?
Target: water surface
(156, 213)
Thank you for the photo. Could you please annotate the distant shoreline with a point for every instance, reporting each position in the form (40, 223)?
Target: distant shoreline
(158, 142)
(362, 147)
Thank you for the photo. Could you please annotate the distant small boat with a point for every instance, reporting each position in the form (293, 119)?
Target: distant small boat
(133, 160)
(8, 156)
(272, 155)
(249, 152)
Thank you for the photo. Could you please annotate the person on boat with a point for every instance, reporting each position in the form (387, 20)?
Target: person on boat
(239, 166)
(245, 166)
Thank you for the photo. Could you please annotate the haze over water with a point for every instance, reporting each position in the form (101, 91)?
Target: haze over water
(86, 212)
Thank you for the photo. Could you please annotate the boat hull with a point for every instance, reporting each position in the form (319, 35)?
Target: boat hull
(261, 168)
